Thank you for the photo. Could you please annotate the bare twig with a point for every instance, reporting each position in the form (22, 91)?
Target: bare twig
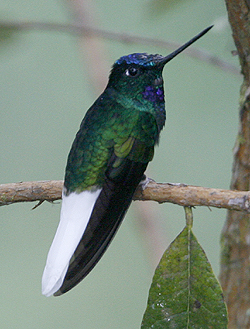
(181, 194)
(120, 37)
(92, 49)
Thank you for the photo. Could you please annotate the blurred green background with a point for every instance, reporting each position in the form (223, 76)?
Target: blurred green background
(45, 90)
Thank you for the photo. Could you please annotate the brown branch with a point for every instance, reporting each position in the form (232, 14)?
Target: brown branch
(180, 194)
(30, 191)
(84, 30)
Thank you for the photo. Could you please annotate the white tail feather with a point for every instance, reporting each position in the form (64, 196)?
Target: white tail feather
(75, 213)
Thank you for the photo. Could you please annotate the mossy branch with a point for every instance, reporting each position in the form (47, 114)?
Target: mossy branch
(180, 194)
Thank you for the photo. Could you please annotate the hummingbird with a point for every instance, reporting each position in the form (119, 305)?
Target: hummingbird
(105, 165)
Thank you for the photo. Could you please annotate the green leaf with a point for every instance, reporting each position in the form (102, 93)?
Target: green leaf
(185, 292)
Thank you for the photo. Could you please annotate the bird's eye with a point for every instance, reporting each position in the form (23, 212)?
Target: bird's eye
(132, 72)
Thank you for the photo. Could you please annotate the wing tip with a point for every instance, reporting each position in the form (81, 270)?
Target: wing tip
(51, 290)
(58, 293)
(51, 283)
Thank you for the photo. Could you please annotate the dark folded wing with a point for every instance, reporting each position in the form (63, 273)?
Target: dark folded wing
(121, 179)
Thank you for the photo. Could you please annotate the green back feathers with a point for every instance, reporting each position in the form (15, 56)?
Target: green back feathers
(109, 130)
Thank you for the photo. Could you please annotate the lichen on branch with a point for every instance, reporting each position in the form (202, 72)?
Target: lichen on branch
(180, 194)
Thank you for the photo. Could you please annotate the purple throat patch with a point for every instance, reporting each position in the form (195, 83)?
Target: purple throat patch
(153, 94)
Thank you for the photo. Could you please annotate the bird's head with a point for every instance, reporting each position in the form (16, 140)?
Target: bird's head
(135, 73)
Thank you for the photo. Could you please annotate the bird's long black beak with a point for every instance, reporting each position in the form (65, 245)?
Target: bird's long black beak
(187, 44)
